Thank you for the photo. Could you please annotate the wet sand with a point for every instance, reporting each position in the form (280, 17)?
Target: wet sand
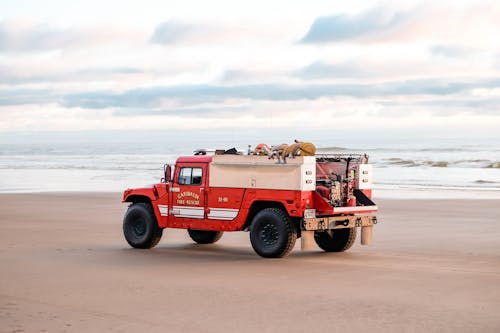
(65, 267)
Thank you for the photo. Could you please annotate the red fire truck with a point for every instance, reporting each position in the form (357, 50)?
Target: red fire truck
(321, 199)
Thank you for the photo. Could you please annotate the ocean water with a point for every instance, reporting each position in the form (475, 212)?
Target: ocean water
(433, 168)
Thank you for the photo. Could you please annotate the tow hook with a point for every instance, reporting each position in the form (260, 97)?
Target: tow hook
(345, 223)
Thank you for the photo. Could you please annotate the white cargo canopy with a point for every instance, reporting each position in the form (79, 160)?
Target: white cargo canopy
(260, 172)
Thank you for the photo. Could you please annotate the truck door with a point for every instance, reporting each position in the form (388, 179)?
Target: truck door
(188, 193)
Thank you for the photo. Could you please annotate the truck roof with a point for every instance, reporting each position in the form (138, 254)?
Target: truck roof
(194, 159)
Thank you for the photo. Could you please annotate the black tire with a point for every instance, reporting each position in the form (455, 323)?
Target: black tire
(140, 227)
(205, 236)
(272, 233)
(340, 239)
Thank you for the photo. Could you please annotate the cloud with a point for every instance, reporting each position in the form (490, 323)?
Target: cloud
(391, 68)
(17, 75)
(452, 51)
(192, 95)
(209, 32)
(343, 26)
(10, 97)
(209, 111)
(323, 70)
(27, 36)
(461, 24)
(252, 75)
(203, 93)
(174, 32)
(448, 106)
(171, 32)
(112, 70)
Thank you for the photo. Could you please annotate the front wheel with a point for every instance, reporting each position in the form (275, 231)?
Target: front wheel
(205, 236)
(336, 240)
(272, 233)
(140, 227)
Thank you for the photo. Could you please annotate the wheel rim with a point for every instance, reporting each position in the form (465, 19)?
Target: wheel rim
(138, 227)
(269, 234)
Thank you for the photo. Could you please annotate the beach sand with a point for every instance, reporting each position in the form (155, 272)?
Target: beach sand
(434, 266)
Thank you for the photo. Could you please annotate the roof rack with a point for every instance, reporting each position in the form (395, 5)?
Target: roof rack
(359, 158)
(342, 157)
(231, 151)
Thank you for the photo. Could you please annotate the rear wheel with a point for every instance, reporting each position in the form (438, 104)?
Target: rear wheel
(336, 240)
(205, 236)
(140, 227)
(272, 233)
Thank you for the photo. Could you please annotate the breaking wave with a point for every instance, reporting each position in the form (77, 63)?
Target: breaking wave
(495, 165)
(473, 163)
(331, 149)
(481, 181)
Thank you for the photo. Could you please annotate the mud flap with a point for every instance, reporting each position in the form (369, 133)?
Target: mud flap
(366, 235)
(307, 240)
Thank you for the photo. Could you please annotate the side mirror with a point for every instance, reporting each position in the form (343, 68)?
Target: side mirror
(167, 170)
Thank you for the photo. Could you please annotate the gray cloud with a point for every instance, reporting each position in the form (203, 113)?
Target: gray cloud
(174, 32)
(10, 97)
(23, 37)
(214, 111)
(189, 97)
(342, 26)
(233, 75)
(323, 70)
(451, 51)
(489, 105)
(112, 70)
(14, 37)
(446, 107)
(251, 75)
(171, 32)
(194, 94)
(14, 76)
(203, 93)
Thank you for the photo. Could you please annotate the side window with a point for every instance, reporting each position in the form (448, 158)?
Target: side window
(190, 176)
(196, 180)
(185, 176)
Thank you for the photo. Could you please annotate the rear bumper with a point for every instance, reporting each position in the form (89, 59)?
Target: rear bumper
(338, 222)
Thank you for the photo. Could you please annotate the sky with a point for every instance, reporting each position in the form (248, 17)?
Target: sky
(276, 65)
